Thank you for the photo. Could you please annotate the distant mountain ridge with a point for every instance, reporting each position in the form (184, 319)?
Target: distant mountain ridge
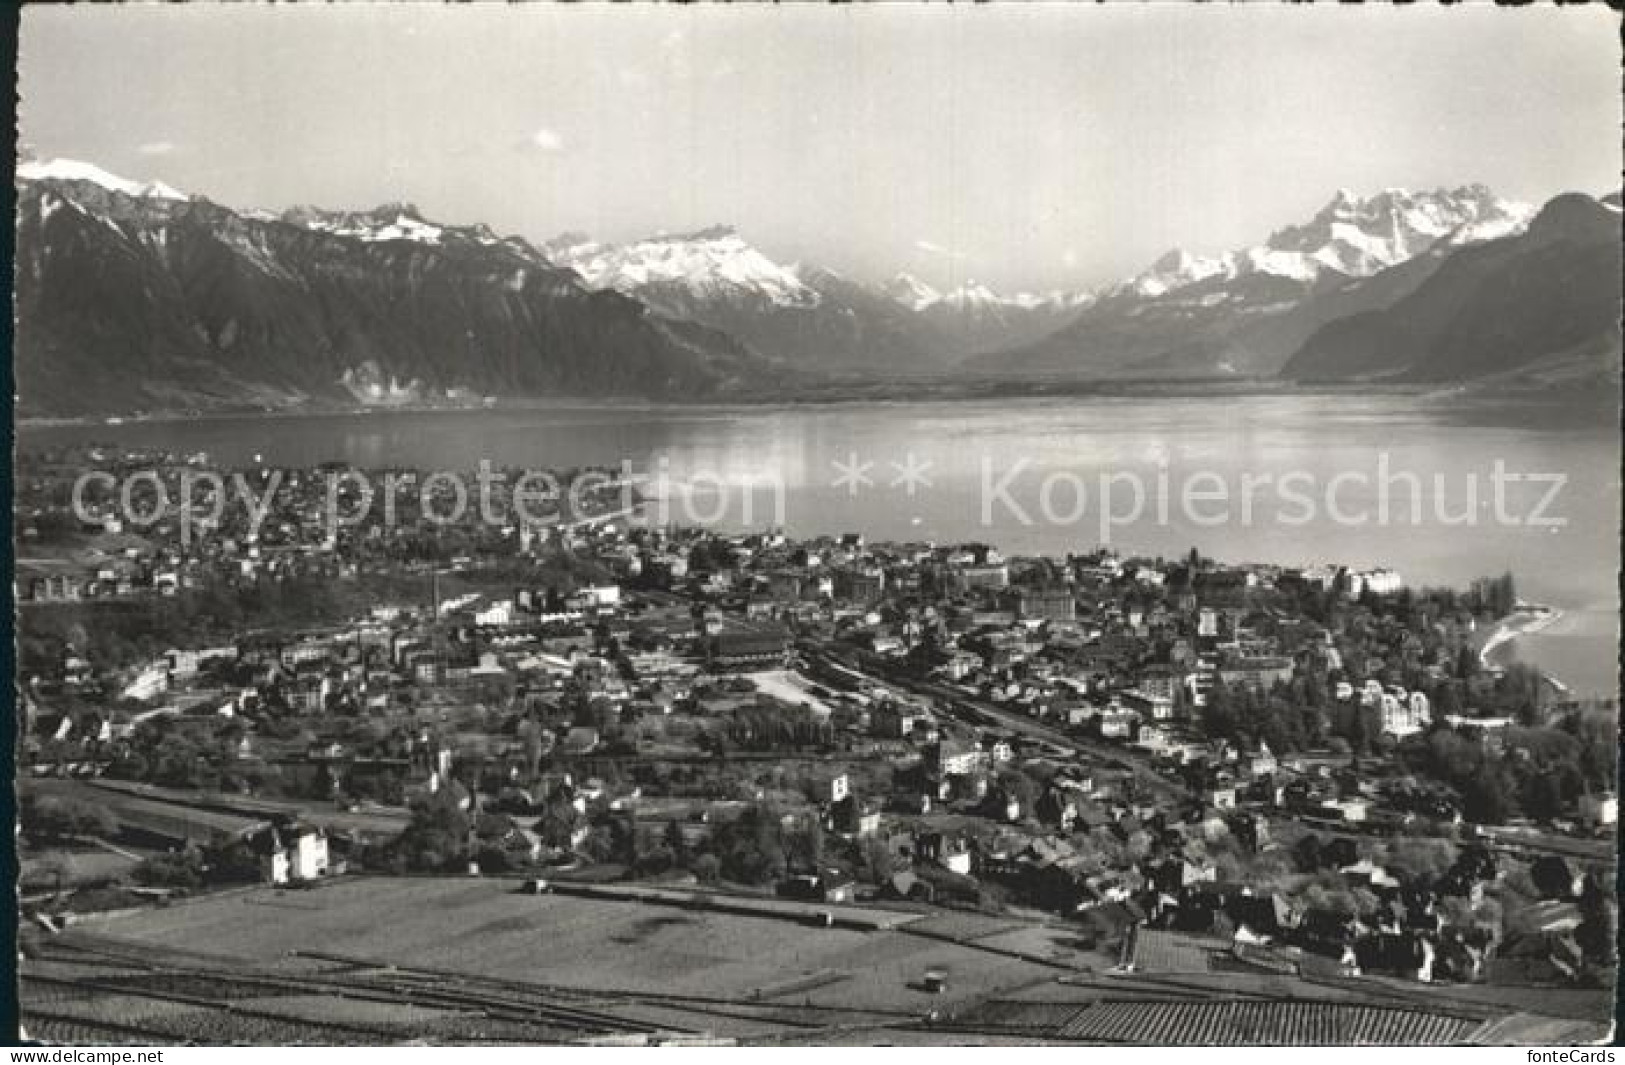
(804, 314)
(973, 317)
(1350, 236)
(1246, 312)
(800, 315)
(1542, 303)
(135, 296)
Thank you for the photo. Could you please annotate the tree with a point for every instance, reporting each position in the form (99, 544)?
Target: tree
(1419, 858)
(806, 844)
(1598, 735)
(531, 734)
(1599, 918)
(180, 870)
(1308, 853)
(655, 860)
(437, 835)
(751, 846)
(50, 818)
(493, 859)
(707, 868)
(677, 843)
(1542, 795)
(878, 862)
(1518, 692)
(235, 861)
(1486, 796)
(1446, 701)
(558, 822)
(1020, 787)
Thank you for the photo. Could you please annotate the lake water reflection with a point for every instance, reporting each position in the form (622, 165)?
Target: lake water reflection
(1009, 473)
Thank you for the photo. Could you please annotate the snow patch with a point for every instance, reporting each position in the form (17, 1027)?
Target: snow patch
(404, 227)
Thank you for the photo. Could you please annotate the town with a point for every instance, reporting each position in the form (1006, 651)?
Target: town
(1189, 765)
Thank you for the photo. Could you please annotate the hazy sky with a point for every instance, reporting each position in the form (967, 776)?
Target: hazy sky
(1026, 147)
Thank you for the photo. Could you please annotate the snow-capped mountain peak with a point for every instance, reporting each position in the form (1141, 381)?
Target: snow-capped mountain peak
(1055, 300)
(74, 170)
(712, 263)
(1176, 269)
(910, 291)
(971, 297)
(973, 294)
(1351, 236)
(1359, 237)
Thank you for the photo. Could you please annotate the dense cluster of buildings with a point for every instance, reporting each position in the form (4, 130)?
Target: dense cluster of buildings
(1067, 733)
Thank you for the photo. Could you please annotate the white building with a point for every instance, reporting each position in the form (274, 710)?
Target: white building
(1118, 724)
(149, 683)
(1405, 715)
(602, 595)
(1347, 809)
(1377, 581)
(293, 852)
(1157, 706)
(497, 613)
(1600, 810)
(1154, 738)
(834, 788)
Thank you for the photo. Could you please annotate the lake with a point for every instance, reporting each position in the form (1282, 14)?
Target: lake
(1473, 490)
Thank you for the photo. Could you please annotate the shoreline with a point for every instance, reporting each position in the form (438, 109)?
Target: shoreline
(837, 393)
(1521, 622)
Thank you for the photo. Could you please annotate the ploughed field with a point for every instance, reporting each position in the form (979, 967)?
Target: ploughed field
(452, 960)
(473, 949)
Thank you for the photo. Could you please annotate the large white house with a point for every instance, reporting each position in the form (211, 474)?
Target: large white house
(292, 852)
(1405, 713)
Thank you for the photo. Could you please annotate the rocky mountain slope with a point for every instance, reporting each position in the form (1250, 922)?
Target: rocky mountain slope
(136, 297)
(1542, 300)
(802, 315)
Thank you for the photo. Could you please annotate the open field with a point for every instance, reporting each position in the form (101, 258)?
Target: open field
(486, 927)
(474, 960)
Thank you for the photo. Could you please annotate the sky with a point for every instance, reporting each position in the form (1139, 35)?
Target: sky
(1031, 147)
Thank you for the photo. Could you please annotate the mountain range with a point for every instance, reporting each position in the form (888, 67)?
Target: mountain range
(805, 314)
(129, 298)
(133, 296)
(1245, 313)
